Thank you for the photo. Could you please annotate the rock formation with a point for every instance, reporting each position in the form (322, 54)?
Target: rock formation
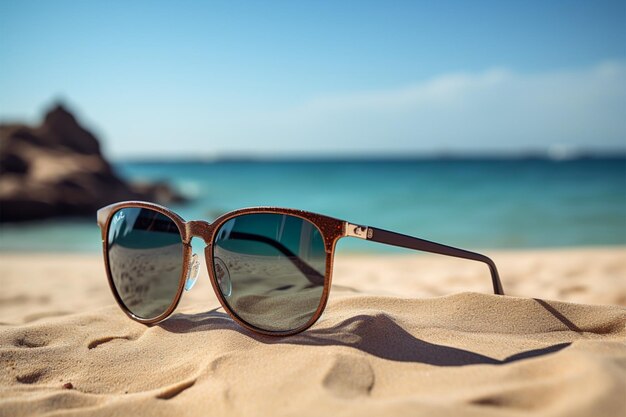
(58, 170)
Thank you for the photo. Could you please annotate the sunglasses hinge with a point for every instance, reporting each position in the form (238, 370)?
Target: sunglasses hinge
(355, 230)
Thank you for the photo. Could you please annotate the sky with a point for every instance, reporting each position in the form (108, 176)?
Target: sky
(278, 78)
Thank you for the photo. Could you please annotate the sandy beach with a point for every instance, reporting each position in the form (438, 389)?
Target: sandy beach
(401, 335)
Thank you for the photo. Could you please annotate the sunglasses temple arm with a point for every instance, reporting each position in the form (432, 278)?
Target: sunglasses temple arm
(409, 242)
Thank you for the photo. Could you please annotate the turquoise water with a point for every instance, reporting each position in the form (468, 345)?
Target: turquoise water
(473, 203)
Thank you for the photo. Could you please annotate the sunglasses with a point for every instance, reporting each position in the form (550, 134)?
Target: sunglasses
(271, 268)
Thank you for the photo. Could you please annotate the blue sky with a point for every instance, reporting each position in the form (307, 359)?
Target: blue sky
(174, 78)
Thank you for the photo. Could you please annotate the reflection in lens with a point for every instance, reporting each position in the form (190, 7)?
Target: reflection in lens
(270, 269)
(145, 259)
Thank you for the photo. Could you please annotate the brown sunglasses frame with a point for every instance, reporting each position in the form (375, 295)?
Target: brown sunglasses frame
(330, 228)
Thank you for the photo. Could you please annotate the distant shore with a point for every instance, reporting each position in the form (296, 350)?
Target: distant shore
(315, 157)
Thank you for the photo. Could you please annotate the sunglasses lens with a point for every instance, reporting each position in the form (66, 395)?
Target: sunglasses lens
(270, 269)
(145, 254)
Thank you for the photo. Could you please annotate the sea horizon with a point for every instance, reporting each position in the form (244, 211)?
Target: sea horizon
(553, 153)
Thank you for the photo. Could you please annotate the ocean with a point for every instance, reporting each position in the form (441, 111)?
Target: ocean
(475, 203)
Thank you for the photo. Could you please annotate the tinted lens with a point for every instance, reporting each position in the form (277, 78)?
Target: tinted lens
(270, 269)
(145, 259)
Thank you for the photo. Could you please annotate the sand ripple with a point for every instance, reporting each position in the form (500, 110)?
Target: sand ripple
(371, 354)
(467, 353)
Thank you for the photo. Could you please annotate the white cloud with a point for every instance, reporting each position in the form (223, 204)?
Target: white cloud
(498, 109)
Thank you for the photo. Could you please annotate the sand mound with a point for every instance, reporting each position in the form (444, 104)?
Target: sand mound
(460, 354)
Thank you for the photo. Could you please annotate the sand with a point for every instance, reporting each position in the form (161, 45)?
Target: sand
(401, 335)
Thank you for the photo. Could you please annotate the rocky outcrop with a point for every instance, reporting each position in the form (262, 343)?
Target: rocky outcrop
(58, 170)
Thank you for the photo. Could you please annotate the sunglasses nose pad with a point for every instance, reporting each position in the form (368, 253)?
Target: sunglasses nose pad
(223, 277)
(192, 275)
